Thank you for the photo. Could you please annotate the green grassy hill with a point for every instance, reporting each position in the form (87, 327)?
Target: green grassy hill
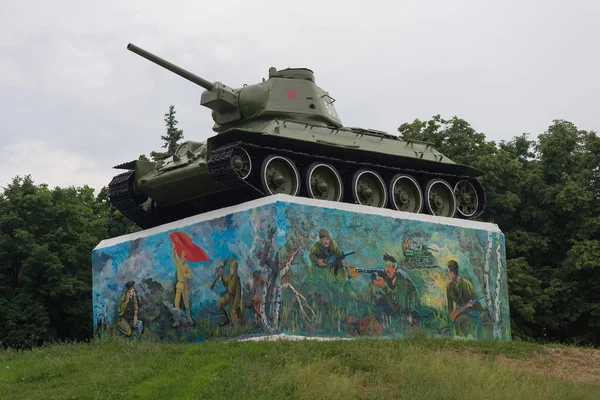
(307, 369)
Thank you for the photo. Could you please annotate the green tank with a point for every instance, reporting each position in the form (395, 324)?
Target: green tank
(418, 255)
(283, 135)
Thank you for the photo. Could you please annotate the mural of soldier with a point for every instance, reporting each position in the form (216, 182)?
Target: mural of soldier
(182, 288)
(232, 296)
(128, 312)
(463, 302)
(184, 249)
(326, 247)
(297, 275)
(396, 285)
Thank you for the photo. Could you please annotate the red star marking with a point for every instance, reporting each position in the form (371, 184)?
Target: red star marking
(291, 94)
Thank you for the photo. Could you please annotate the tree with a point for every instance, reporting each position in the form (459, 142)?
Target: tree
(172, 138)
(456, 139)
(46, 240)
(563, 208)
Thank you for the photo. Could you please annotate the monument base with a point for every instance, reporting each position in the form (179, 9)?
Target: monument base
(296, 266)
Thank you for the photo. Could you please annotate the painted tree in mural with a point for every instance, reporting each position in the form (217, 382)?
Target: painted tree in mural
(492, 289)
(481, 252)
(269, 304)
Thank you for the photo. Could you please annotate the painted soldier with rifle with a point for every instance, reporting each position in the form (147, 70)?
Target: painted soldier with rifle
(462, 301)
(232, 295)
(394, 283)
(326, 253)
(128, 312)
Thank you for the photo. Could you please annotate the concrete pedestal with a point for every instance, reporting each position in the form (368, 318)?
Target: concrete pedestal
(304, 267)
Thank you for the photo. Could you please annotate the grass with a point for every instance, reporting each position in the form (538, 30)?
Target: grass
(357, 369)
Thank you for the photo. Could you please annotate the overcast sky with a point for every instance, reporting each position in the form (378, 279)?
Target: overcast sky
(74, 102)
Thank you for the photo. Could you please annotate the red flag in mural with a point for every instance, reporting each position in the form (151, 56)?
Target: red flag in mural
(183, 242)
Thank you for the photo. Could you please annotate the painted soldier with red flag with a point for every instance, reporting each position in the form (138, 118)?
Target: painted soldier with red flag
(185, 249)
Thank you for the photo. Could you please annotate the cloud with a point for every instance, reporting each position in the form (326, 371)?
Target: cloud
(49, 164)
(11, 77)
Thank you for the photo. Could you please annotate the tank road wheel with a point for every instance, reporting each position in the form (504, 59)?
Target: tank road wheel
(324, 182)
(439, 198)
(405, 194)
(241, 162)
(368, 189)
(466, 198)
(280, 175)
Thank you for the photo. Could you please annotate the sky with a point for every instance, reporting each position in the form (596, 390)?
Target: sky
(74, 102)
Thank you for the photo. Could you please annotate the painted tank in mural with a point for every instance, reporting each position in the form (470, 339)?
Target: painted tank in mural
(283, 135)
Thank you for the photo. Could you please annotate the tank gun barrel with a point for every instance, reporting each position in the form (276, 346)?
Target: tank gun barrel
(171, 67)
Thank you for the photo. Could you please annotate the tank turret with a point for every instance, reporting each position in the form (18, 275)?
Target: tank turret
(283, 135)
(266, 100)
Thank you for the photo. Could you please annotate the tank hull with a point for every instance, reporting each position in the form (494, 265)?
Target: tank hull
(205, 178)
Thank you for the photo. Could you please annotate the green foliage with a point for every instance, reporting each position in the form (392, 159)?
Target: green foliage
(545, 196)
(46, 238)
(172, 138)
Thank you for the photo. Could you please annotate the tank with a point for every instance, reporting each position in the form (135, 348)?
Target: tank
(284, 136)
(418, 255)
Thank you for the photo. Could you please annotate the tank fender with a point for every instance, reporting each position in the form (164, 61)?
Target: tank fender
(140, 167)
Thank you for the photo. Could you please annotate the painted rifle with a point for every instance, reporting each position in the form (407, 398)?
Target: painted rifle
(335, 258)
(220, 272)
(332, 259)
(375, 272)
(457, 312)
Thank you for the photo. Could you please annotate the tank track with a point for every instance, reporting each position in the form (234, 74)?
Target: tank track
(236, 190)
(231, 180)
(220, 168)
(120, 195)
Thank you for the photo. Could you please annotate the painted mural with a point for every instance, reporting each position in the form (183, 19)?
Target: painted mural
(303, 269)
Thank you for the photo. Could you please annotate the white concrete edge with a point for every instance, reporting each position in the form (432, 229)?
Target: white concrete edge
(207, 216)
(287, 337)
(283, 336)
(386, 212)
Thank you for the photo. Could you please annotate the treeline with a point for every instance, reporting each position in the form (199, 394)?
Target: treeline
(544, 195)
(46, 239)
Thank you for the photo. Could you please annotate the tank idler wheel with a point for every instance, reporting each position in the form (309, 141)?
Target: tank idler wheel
(323, 182)
(279, 175)
(466, 198)
(405, 194)
(439, 198)
(369, 189)
(241, 162)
